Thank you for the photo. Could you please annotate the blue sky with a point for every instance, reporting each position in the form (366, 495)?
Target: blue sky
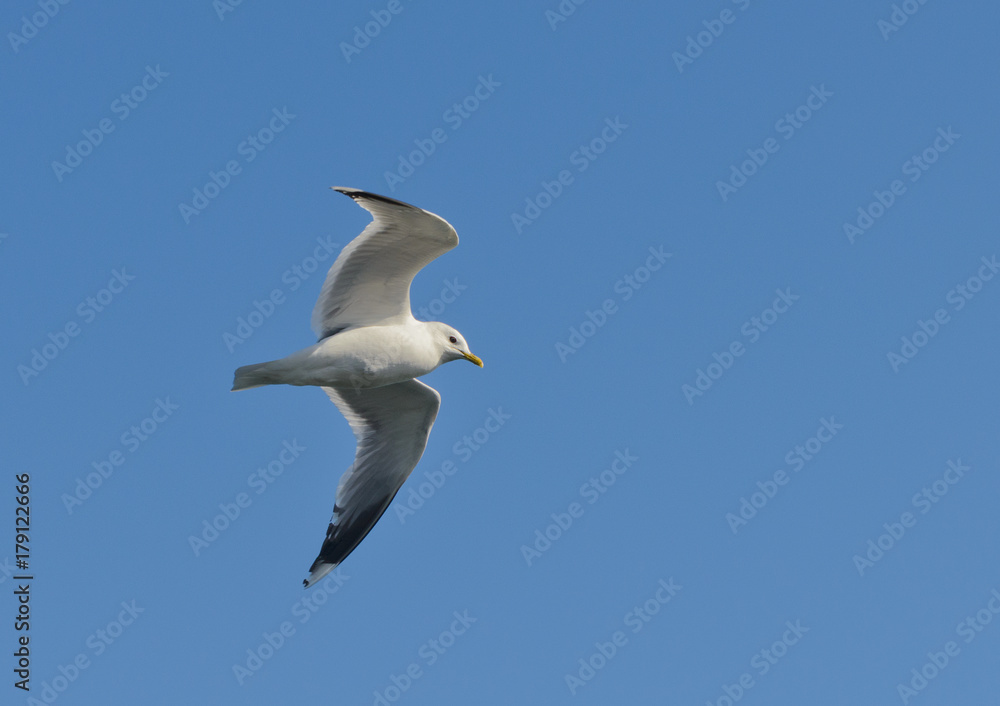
(732, 270)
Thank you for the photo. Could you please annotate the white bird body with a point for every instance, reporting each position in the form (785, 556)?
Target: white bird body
(371, 356)
(370, 350)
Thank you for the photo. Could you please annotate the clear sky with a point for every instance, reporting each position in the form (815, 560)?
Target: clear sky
(731, 266)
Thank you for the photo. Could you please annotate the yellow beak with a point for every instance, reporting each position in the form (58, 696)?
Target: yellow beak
(473, 359)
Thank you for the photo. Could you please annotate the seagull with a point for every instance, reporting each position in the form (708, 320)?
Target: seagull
(369, 353)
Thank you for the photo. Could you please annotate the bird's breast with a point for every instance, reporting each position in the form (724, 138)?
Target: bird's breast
(372, 356)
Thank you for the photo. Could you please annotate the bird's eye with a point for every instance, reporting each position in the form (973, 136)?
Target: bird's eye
(452, 339)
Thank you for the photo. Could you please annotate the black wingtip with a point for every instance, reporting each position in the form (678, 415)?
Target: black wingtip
(358, 194)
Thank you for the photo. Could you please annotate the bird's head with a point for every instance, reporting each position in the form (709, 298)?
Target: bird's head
(453, 344)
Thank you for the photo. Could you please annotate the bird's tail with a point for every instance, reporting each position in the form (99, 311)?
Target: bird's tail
(254, 375)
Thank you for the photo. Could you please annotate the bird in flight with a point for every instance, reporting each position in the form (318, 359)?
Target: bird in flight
(369, 353)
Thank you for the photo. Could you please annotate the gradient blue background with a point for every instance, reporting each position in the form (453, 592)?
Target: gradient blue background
(654, 186)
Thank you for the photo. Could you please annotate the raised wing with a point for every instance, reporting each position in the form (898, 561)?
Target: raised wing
(391, 424)
(369, 283)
